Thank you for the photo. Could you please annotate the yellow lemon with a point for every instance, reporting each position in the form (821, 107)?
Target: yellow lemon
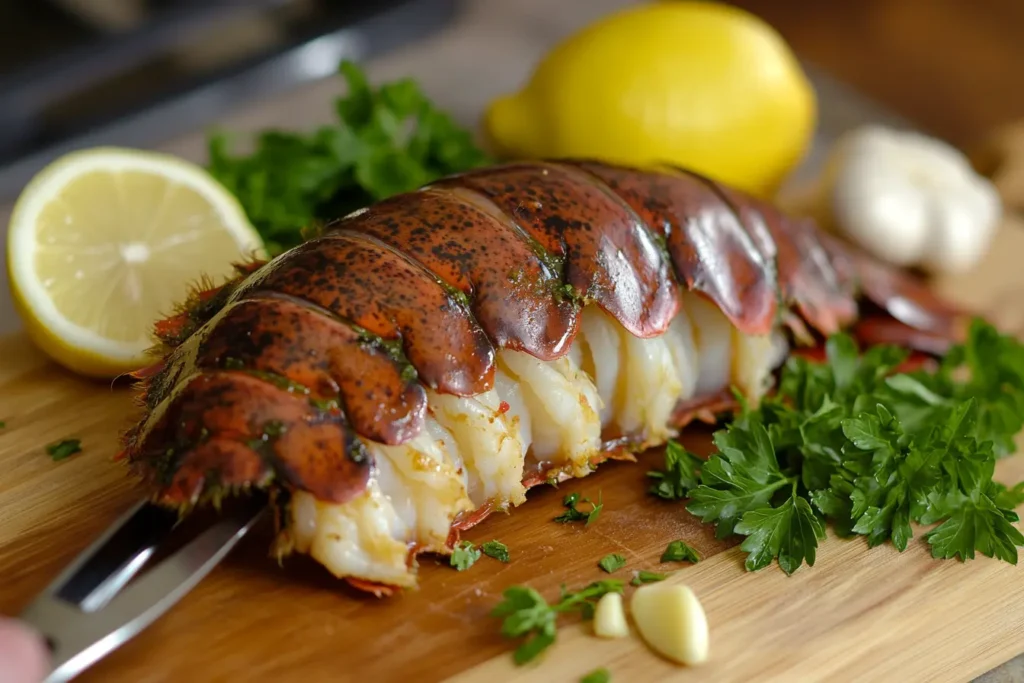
(696, 84)
(105, 241)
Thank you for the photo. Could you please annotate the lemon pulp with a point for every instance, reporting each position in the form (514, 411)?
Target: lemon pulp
(105, 242)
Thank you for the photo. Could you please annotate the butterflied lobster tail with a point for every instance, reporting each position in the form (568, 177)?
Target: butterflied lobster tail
(423, 361)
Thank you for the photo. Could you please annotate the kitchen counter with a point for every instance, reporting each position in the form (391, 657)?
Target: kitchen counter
(489, 50)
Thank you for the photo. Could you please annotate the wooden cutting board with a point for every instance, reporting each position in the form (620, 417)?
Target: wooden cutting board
(859, 614)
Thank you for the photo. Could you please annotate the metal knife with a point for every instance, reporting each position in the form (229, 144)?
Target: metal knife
(95, 606)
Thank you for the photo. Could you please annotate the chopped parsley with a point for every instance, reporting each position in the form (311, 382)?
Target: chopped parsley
(851, 442)
(680, 551)
(63, 449)
(496, 549)
(644, 576)
(612, 562)
(526, 614)
(597, 676)
(464, 556)
(574, 514)
(681, 473)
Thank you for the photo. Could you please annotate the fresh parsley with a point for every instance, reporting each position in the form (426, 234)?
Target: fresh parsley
(385, 141)
(526, 614)
(574, 514)
(872, 451)
(63, 449)
(680, 551)
(597, 676)
(2, 424)
(1008, 498)
(612, 562)
(644, 576)
(681, 473)
(496, 549)
(464, 556)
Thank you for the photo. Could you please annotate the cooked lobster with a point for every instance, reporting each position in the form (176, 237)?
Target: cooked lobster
(424, 361)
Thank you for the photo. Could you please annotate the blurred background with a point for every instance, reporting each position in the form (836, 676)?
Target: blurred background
(136, 72)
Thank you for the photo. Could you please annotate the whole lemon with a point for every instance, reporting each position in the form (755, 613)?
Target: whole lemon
(702, 85)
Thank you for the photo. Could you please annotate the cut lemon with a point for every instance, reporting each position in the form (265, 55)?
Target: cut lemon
(103, 242)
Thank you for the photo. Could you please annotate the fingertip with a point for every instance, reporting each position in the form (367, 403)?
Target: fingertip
(24, 657)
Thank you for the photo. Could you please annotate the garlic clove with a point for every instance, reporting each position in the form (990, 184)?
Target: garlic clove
(672, 622)
(910, 199)
(955, 244)
(610, 617)
(878, 205)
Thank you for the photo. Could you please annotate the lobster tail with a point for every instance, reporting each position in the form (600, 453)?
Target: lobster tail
(424, 360)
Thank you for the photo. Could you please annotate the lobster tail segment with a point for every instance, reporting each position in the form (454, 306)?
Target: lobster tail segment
(227, 430)
(710, 247)
(606, 253)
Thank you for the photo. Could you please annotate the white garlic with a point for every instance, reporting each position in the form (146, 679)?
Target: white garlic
(671, 621)
(910, 199)
(610, 617)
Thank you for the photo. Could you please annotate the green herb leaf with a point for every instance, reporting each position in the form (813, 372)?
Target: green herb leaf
(525, 613)
(872, 451)
(644, 576)
(464, 556)
(588, 595)
(612, 563)
(681, 473)
(743, 476)
(385, 141)
(680, 551)
(574, 514)
(496, 549)
(1007, 498)
(595, 511)
(977, 525)
(597, 676)
(64, 449)
(2, 424)
(789, 532)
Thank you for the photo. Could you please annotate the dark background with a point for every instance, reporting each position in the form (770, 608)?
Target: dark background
(953, 67)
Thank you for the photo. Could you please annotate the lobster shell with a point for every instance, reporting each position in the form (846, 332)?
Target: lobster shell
(277, 375)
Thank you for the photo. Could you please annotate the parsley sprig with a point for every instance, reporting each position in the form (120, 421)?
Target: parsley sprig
(681, 473)
(526, 613)
(63, 449)
(385, 141)
(574, 514)
(853, 442)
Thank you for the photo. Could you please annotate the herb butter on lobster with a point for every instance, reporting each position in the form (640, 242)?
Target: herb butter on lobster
(423, 361)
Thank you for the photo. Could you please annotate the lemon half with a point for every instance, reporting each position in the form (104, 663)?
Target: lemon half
(105, 241)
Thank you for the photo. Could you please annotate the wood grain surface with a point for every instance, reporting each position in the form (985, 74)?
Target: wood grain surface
(859, 614)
